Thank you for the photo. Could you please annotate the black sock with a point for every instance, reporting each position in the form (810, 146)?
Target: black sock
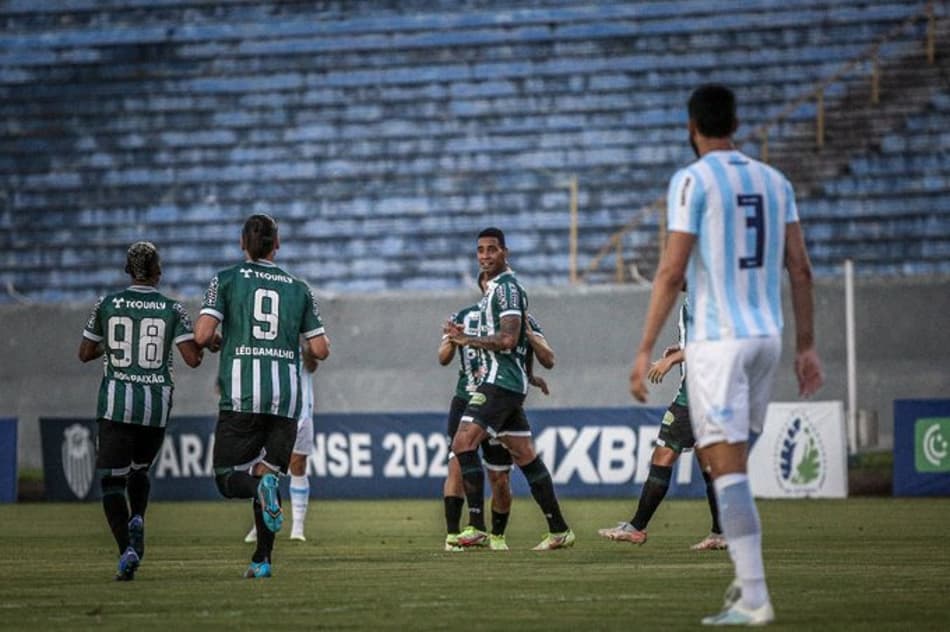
(654, 490)
(499, 522)
(542, 489)
(138, 486)
(473, 479)
(713, 503)
(453, 513)
(116, 509)
(265, 537)
(237, 484)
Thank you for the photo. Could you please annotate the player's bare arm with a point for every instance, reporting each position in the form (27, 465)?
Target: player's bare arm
(319, 346)
(446, 350)
(505, 339)
(661, 367)
(309, 360)
(666, 288)
(807, 363)
(190, 352)
(90, 350)
(534, 380)
(206, 331)
(542, 350)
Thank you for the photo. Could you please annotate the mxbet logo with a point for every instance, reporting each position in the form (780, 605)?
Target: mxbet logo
(932, 444)
(612, 455)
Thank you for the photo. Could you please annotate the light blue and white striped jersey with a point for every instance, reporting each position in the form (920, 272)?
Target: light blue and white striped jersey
(738, 208)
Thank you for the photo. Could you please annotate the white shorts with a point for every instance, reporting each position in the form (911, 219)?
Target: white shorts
(729, 383)
(304, 442)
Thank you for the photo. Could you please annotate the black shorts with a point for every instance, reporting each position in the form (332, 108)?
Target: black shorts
(124, 447)
(496, 456)
(240, 437)
(676, 431)
(499, 411)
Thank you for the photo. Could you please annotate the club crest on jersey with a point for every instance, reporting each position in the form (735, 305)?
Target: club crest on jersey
(247, 272)
(79, 459)
(118, 302)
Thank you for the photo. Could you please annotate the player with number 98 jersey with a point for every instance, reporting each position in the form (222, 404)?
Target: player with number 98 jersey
(263, 311)
(139, 327)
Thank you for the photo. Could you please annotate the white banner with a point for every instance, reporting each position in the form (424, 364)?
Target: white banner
(802, 452)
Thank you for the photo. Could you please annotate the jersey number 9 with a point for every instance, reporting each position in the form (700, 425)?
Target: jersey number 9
(266, 307)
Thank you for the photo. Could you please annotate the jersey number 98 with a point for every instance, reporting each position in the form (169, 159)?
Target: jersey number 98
(150, 342)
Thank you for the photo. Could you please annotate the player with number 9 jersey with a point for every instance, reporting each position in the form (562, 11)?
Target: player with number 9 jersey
(263, 311)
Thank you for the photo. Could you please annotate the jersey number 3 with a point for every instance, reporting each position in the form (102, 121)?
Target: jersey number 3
(756, 223)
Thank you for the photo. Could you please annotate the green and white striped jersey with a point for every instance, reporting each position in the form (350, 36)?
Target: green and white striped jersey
(139, 328)
(471, 362)
(263, 311)
(681, 397)
(504, 296)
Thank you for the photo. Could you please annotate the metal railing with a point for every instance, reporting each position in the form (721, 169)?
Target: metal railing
(817, 92)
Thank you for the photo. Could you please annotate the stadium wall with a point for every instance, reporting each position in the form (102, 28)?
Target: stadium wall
(383, 355)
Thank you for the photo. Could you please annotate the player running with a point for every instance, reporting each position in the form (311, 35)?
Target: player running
(135, 329)
(263, 311)
(303, 447)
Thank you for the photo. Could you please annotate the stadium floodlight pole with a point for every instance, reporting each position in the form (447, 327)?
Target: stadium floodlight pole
(852, 370)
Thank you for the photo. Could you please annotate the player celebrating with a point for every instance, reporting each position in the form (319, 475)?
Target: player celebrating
(303, 447)
(676, 435)
(740, 215)
(497, 460)
(262, 311)
(135, 329)
(496, 407)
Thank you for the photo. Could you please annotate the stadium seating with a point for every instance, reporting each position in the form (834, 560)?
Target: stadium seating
(383, 138)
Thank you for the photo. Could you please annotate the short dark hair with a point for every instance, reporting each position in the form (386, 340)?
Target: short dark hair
(260, 235)
(142, 262)
(494, 232)
(712, 107)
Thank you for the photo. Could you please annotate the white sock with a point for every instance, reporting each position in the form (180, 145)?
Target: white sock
(743, 531)
(299, 500)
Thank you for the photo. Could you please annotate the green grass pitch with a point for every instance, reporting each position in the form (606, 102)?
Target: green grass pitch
(859, 564)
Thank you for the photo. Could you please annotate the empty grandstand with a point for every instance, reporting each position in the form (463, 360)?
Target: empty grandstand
(383, 134)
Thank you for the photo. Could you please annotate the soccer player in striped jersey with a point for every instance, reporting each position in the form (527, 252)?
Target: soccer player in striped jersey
(676, 436)
(135, 330)
(496, 409)
(733, 226)
(303, 447)
(263, 311)
(496, 458)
